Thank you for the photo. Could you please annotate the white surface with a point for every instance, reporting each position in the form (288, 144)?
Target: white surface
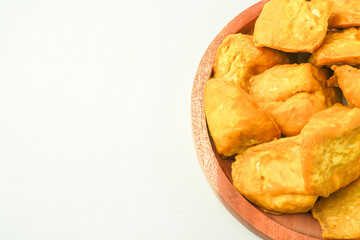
(95, 120)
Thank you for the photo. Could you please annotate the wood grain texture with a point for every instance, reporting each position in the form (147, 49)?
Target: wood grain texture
(218, 170)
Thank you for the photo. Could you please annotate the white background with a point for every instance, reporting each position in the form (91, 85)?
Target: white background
(95, 134)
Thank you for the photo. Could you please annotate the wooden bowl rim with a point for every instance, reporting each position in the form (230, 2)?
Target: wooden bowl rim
(251, 217)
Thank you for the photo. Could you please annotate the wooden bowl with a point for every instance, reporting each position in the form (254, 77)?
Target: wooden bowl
(218, 170)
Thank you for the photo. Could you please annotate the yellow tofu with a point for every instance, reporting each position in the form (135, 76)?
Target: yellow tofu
(348, 79)
(237, 60)
(292, 93)
(340, 47)
(270, 176)
(235, 121)
(330, 148)
(293, 25)
(339, 213)
(346, 14)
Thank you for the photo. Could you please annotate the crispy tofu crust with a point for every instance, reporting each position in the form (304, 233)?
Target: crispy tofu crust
(339, 213)
(346, 14)
(330, 148)
(292, 93)
(339, 47)
(293, 25)
(348, 79)
(237, 60)
(270, 176)
(230, 114)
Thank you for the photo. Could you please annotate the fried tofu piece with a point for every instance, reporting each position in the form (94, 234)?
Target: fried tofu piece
(339, 213)
(340, 47)
(270, 176)
(291, 94)
(293, 25)
(234, 119)
(348, 79)
(292, 114)
(330, 148)
(237, 60)
(346, 14)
